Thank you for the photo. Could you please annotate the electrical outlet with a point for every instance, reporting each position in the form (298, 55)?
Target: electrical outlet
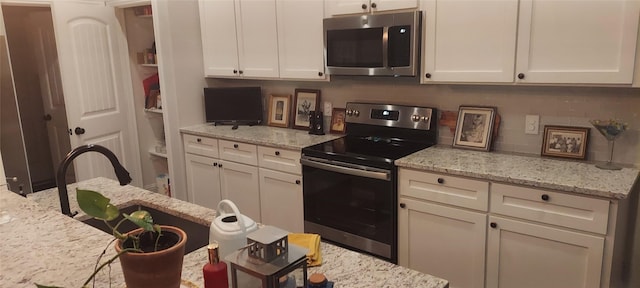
(531, 124)
(327, 108)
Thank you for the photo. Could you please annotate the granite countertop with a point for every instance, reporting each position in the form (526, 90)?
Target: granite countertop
(561, 175)
(260, 135)
(41, 245)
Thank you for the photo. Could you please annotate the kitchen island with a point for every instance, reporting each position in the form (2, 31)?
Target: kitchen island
(40, 245)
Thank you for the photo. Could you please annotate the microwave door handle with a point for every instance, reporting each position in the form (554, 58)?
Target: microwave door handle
(346, 170)
(385, 47)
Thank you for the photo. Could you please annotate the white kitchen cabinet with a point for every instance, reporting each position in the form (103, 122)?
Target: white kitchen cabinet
(300, 39)
(240, 184)
(203, 180)
(522, 254)
(469, 41)
(281, 200)
(341, 7)
(591, 42)
(239, 38)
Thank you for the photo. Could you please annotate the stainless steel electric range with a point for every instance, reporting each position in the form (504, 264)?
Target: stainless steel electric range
(350, 183)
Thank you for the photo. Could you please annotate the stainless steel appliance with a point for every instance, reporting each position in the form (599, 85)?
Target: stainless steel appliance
(350, 184)
(373, 45)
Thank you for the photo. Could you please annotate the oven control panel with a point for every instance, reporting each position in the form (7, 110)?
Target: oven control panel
(390, 115)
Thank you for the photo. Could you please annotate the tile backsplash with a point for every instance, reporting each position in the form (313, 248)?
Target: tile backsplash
(557, 105)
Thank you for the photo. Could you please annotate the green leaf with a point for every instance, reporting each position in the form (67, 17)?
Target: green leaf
(141, 218)
(45, 286)
(96, 205)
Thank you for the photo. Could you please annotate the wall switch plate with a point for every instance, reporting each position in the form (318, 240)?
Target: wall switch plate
(327, 108)
(531, 124)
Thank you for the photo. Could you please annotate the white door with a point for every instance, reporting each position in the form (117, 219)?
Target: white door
(386, 5)
(281, 200)
(340, 7)
(203, 180)
(46, 55)
(93, 59)
(479, 49)
(577, 41)
(257, 38)
(522, 255)
(240, 185)
(219, 39)
(442, 241)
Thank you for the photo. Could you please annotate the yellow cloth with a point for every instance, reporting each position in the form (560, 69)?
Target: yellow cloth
(311, 242)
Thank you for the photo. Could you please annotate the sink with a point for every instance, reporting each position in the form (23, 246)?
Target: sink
(197, 234)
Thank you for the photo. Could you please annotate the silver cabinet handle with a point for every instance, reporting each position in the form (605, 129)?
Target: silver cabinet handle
(347, 170)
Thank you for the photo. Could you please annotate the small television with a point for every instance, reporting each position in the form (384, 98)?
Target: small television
(233, 106)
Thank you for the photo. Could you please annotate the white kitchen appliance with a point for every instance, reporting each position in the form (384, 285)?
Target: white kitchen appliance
(230, 229)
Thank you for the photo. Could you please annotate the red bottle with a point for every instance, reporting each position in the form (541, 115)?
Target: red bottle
(215, 272)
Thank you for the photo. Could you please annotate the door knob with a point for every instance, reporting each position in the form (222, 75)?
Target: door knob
(47, 117)
(79, 131)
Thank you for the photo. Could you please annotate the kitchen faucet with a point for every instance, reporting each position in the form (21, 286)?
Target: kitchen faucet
(121, 173)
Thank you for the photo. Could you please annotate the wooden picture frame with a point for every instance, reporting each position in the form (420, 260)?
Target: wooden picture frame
(279, 107)
(474, 128)
(305, 100)
(565, 141)
(338, 116)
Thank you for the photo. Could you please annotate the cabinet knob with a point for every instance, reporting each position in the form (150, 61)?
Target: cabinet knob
(220, 165)
(520, 75)
(240, 72)
(440, 180)
(320, 74)
(545, 197)
(277, 153)
(364, 6)
(298, 182)
(493, 225)
(215, 164)
(428, 75)
(79, 131)
(374, 5)
(235, 71)
(235, 146)
(402, 205)
(199, 140)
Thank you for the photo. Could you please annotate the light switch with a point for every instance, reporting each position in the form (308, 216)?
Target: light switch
(531, 123)
(327, 108)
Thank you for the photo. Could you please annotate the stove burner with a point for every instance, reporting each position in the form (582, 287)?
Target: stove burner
(378, 139)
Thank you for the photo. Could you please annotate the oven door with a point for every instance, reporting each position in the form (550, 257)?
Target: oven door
(351, 205)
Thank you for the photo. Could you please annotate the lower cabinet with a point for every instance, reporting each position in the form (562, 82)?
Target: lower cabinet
(442, 241)
(281, 200)
(522, 254)
(239, 183)
(203, 180)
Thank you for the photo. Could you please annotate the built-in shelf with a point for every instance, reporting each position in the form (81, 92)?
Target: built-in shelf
(145, 16)
(149, 65)
(153, 110)
(153, 152)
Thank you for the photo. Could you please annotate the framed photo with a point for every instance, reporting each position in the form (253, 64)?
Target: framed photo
(474, 128)
(565, 141)
(305, 100)
(337, 120)
(279, 106)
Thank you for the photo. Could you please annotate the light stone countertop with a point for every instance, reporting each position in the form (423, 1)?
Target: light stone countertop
(562, 175)
(41, 245)
(261, 135)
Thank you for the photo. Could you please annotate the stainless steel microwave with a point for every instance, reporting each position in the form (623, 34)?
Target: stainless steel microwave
(373, 45)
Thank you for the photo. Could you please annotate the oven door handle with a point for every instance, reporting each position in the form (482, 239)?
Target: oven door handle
(347, 170)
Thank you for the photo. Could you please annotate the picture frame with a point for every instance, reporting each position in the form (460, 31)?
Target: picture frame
(338, 116)
(474, 128)
(279, 107)
(304, 100)
(565, 141)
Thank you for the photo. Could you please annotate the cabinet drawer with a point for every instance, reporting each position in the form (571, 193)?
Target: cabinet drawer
(200, 145)
(462, 192)
(572, 211)
(279, 159)
(238, 152)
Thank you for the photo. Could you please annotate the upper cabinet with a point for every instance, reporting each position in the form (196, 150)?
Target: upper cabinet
(577, 41)
(479, 49)
(256, 39)
(342, 7)
(555, 42)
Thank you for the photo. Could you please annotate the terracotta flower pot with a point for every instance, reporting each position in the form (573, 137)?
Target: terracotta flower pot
(155, 269)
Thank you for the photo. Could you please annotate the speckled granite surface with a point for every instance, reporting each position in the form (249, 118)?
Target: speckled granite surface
(261, 135)
(569, 176)
(39, 244)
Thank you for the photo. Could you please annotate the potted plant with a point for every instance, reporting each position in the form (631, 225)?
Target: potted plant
(150, 256)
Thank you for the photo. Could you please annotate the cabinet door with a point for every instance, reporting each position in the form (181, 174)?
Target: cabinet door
(300, 39)
(257, 38)
(219, 42)
(386, 5)
(521, 254)
(203, 180)
(239, 183)
(341, 7)
(577, 41)
(442, 241)
(479, 49)
(281, 200)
